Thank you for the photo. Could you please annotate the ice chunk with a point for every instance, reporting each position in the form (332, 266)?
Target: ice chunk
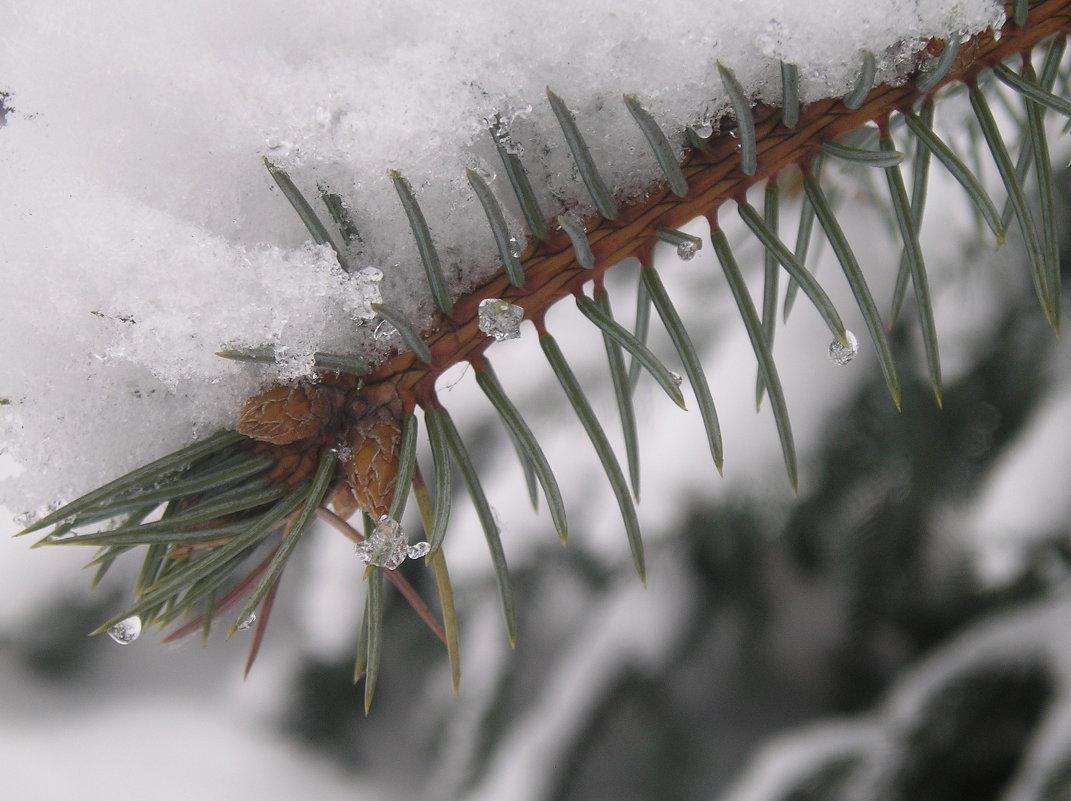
(500, 319)
(387, 546)
(686, 250)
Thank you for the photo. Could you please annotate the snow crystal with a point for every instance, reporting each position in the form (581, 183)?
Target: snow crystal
(142, 233)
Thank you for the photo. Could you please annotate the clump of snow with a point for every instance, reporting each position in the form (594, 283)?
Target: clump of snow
(142, 233)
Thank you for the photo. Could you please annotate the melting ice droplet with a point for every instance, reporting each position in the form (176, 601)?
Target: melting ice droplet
(247, 622)
(686, 250)
(368, 281)
(126, 631)
(387, 546)
(839, 353)
(422, 548)
(500, 319)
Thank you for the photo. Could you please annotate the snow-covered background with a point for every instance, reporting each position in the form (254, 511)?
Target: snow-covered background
(141, 233)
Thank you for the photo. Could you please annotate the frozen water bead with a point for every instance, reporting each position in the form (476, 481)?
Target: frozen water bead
(422, 548)
(686, 250)
(126, 631)
(839, 353)
(500, 319)
(247, 622)
(388, 546)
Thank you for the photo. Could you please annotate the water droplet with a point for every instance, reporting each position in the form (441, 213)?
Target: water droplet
(686, 250)
(500, 319)
(384, 331)
(841, 354)
(368, 280)
(419, 550)
(677, 379)
(514, 247)
(704, 130)
(246, 622)
(126, 631)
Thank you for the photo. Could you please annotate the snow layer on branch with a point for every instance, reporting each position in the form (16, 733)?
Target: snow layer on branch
(141, 232)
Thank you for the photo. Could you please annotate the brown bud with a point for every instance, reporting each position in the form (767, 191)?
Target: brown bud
(343, 501)
(372, 462)
(293, 463)
(287, 414)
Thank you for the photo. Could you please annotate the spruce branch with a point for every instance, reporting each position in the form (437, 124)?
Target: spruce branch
(349, 439)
